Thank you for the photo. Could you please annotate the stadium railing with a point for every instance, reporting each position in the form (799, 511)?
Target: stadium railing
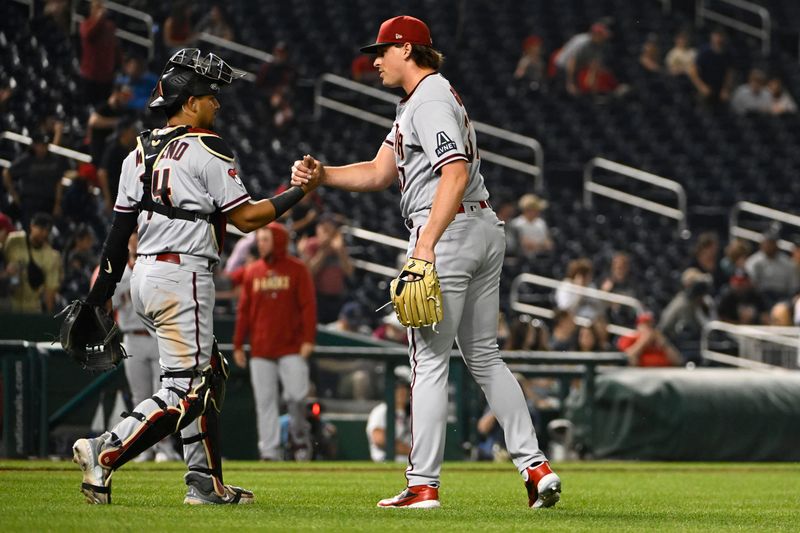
(535, 170)
(763, 32)
(517, 304)
(735, 228)
(769, 348)
(147, 42)
(590, 187)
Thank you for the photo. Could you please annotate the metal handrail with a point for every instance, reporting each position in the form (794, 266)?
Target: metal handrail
(536, 169)
(735, 230)
(233, 46)
(591, 187)
(596, 294)
(764, 33)
(379, 238)
(146, 42)
(783, 336)
(58, 150)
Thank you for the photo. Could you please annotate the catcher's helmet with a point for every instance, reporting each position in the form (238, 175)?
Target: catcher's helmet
(188, 74)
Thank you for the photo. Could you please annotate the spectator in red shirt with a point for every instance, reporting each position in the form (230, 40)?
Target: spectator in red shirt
(647, 346)
(277, 311)
(99, 53)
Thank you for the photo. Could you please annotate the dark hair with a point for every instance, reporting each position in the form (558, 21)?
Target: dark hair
(427, 56)
(42, 220)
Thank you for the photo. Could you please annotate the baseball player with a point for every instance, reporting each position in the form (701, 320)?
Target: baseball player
(178, 187)
(431, 153)
(278, 312)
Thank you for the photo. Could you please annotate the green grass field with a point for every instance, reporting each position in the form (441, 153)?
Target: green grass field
(601, 496)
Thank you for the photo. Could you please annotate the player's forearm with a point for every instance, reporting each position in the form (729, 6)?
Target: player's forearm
(113, 258)
(446, 202)
(357, 177)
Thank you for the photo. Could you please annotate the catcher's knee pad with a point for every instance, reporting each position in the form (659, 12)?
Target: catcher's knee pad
(161, 420)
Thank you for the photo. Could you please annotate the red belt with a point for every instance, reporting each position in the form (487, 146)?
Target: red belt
(169, 258)
(138, 332)
(483, 203)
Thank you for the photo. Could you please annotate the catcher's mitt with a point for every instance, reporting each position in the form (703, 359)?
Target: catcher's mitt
(416, 295)
(91, 337)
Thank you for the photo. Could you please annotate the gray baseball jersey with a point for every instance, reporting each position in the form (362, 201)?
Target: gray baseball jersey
(191, 175)
(432, 129)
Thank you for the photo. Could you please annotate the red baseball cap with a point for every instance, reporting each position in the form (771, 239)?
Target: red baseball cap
(400, 30)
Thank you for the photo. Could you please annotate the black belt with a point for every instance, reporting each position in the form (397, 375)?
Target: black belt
(181, 374)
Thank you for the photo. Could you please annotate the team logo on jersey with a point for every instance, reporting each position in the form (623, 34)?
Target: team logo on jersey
(232, 172)
(444, 143)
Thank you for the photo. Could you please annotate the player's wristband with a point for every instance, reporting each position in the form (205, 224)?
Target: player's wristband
(286, 200)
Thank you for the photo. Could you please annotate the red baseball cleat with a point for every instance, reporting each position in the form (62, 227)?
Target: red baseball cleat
(544, 486)
(419, 497)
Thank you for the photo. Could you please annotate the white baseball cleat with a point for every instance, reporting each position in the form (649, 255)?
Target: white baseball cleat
(419, 497)
(543, 485)
(96, 484)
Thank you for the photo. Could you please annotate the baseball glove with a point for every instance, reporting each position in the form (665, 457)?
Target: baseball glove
(416, 295)
(91, 337)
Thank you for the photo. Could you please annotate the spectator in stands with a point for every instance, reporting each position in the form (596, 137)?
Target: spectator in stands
(682, 56)
(579, 272)
(563, 332)
(618, 281)
(351, 319)
(650, 57)
(587, 340)
(596, 79)
(736, 253)
(277, 312)
(772, 271)
(753, 96)
(712, 71)
(80, 260)
(527, 333)
(684, 317)
(376, 422)
(740, 302)
(178, 31)
(110, 165)
(391, 329)
(139, 80)
(276, 81)
(327, 257)
(53, 127)
(363, 70)
(79, 203)
(104, 119)
(780, 100)
(530, 228)
(302, 218)
(99, 53)
(647, 346)
(34, 180)
(530, 69)
(58, 11)
(33, 266)
(581, 50)
(6, 228)
(781, 314)
(705, 258)
(216, 22)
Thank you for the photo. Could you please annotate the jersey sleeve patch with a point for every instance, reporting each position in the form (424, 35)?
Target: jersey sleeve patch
(216, 146)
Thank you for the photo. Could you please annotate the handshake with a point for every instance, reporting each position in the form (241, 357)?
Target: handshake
(308, 173)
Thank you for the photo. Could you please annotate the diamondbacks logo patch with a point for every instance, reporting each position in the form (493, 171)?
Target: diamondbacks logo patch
(444, 144)
(232, 172)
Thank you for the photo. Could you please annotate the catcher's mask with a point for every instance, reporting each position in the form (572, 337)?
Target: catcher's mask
(187, 74)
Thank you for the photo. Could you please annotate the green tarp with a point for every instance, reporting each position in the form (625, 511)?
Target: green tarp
(691, 415)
